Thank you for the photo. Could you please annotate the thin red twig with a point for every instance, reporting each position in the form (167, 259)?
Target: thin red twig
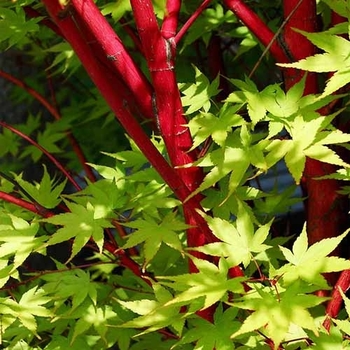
(34, 208)
(191, 20)
(257, 27)
(53, 111)
(47, 154)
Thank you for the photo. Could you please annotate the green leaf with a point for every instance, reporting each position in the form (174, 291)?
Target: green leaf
(155, 314)
(211, 283)
(215, 335)
(75, 285)
(237, 242)
(249, 94)
(46, 193)
(335, 59)
(29, 306)
(274, 312)
(101, 318)
(198, 95)
(153, 234)
(19, 239)
(207, 125)
(14, 26)
(82, 223)
(309, 263)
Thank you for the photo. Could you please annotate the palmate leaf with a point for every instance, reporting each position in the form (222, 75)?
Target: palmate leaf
(82, 223)
(29, 306)
(207, 125)
(335, 59)
(153, 234)
(211, 284)
(18, 240)
(234, 159)
(46, 193)
(238, 241)
(216, 335)
(75, 285)
(308, 263)
(14, 26)
(100, 317)
(309, 139)
(198, 95)
(275, 313)
(155, 314)
(249, 95)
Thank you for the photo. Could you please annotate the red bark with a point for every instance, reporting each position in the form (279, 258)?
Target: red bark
(258, 28)
(336, 301)
(160, 50)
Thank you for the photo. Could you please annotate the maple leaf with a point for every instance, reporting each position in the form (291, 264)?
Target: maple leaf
(214, 335)
(334, 59)
(46, 193)
(153, 234)
(29, 306)
(155, 314)
(82, 223)
(239, 152)
(198, 95)
(210, 283)
(14, 26)
(308, 263)
(74, 284)
(18, 239)
(99, 317)
(238, 241)
(276, 312)
(207, 125)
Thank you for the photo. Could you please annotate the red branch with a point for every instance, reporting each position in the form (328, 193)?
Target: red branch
(47, 154)
(105, 42)
(257, 27)
(336, 301)
(34, 208)
(160, 56)
(105, 82)
(53, 111)
(170, 20)
(324, 206)
(191, 20)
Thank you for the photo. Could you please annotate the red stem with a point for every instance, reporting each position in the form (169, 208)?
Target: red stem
(191, 20)
(34, 208)
(104, 40)
(105, 82)
(257, 27)
(160, 55)
(304, 18)
(170, 20)
(53, 111)
(336, 301)
(47, 154)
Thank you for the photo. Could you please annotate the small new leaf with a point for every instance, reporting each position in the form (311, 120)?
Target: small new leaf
(155, 314)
